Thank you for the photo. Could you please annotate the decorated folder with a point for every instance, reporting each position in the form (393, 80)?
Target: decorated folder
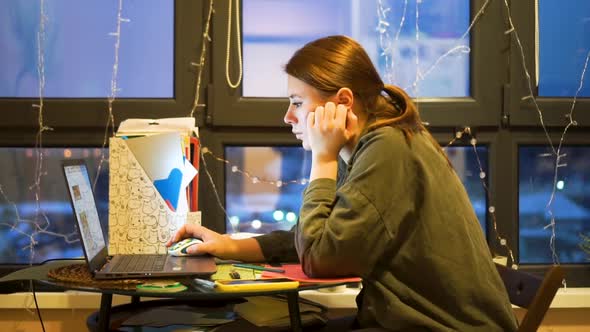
(140, 220)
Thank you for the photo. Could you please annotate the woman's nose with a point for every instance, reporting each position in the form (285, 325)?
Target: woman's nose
(289, 118)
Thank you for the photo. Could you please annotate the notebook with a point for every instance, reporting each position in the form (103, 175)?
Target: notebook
(103, 266)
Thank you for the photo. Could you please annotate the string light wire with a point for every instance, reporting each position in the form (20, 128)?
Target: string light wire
(201, 64)
(39, 166)
(110, 126)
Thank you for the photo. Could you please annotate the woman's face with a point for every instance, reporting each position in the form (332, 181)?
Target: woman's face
(303, 99)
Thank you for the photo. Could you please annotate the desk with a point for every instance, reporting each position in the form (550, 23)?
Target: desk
(193, 293)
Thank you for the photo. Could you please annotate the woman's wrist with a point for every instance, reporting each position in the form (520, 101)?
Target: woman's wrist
(247, 250)
(323, 167)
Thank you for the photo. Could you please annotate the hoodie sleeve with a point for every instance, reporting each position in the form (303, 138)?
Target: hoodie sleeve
(345, 231)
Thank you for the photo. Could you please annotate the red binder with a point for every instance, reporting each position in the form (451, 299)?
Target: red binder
(194, 186)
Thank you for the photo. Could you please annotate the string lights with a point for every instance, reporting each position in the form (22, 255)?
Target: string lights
(459, 135)
(114, 88)
(201, 64)
(253, 178)
(556, 152)
(383, 28)
(39, 166)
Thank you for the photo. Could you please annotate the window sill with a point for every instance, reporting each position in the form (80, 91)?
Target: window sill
(565, 298)
(344, 298)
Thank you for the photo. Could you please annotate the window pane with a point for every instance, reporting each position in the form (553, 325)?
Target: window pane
(19, 217)
(80, 53)
(564, 42)
(259, 206)
(271, 34)
(465, 162)
(570, 206)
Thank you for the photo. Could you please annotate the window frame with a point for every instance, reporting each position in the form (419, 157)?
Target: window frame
(524, 112)
(578, 275)
(227, 106)
(91, 114)
(20, 123)
(214, 218)
(496, 81)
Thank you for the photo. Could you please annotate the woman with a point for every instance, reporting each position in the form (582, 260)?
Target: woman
(383, 203)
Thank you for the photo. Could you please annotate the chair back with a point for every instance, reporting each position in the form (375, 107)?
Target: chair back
(531, 292)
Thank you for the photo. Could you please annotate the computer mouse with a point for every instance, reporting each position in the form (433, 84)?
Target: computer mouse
(179, 248)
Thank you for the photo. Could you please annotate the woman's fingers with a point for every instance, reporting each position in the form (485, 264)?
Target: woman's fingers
(340, 114)
(190, 230)
(177, 236)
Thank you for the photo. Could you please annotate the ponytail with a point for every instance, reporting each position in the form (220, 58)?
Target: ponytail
(393, 107)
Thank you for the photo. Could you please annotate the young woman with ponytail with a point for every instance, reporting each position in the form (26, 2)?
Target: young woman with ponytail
(383, 203)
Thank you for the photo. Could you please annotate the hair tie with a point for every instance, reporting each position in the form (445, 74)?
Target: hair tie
(393, 101)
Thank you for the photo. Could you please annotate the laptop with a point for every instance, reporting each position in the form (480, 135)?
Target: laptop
(103, 266)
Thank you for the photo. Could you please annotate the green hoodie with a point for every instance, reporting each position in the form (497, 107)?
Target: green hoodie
(401, 219)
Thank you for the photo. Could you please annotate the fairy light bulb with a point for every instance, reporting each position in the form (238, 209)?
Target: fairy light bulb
(234, 221)
(291, 217)
(256, 224)
(278, 215)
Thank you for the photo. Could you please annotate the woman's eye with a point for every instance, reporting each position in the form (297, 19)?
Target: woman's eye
(297, 105)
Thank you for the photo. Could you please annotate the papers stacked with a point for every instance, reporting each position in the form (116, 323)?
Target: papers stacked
(161, 157)
(145, 127)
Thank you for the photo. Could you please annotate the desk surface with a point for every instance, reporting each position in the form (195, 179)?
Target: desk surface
(39, 274)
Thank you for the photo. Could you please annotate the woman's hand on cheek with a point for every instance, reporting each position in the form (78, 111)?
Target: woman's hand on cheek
(328, 130)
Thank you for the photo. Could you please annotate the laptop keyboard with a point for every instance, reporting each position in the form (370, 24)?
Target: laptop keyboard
(140, 263)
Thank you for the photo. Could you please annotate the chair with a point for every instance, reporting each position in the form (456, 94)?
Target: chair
(531, 292)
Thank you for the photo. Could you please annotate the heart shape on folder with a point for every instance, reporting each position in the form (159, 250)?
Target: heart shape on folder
(169, 188)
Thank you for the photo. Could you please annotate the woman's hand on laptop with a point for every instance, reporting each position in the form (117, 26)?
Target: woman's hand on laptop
(218, 245)
(213, 243)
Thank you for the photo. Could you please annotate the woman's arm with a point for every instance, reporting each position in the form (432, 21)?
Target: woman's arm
(218, 245)
(277, 246)
(344, 231)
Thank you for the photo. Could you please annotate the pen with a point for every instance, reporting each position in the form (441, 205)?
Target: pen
(259, 268)
(204, 283)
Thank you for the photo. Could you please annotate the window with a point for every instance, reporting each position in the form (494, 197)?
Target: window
(271, 33)
(157, 47)
(50, 226)
(543, 197)
(537, 113)
(554, 39)
(153, 74)
(564, 44)
(485, 89)
(79, 51)
(256, 203)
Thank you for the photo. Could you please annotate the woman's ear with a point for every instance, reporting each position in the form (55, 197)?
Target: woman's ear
(345, 97)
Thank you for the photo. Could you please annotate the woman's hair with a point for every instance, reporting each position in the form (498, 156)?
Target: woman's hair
(334, 62)
(331, 63)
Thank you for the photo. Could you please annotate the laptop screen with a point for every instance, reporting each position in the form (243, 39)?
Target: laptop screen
(84, 205)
